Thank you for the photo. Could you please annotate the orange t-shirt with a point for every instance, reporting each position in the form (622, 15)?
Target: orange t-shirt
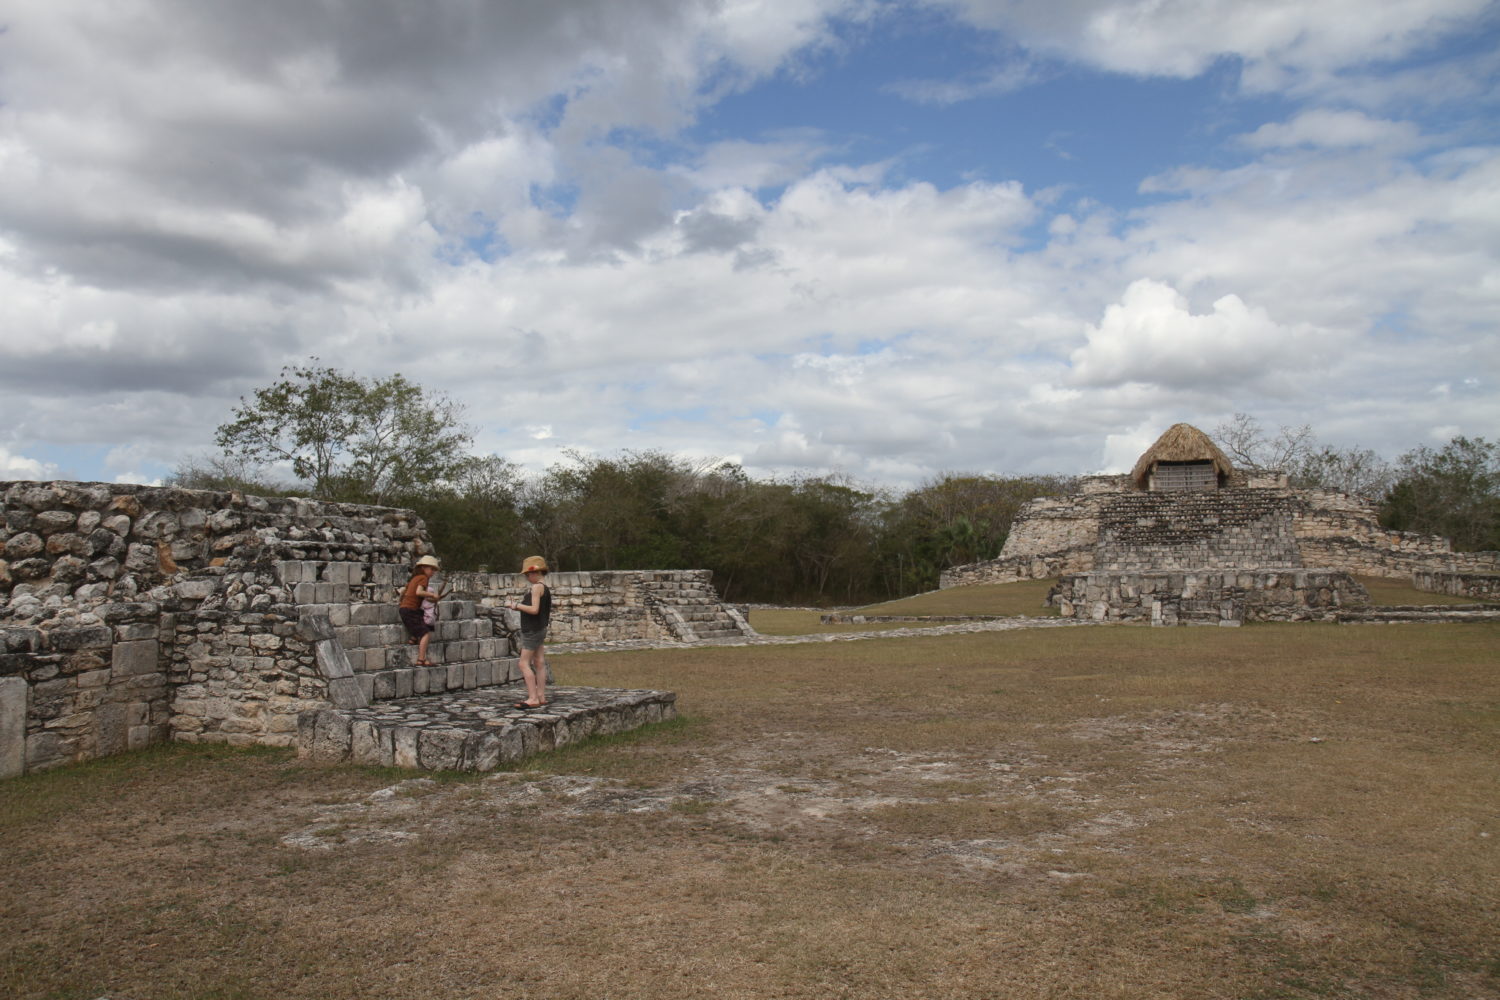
(409, 598)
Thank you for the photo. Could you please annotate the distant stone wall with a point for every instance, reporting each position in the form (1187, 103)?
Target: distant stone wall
(610, 605)
(1483, 586)
(1242, 528)
(1230, 529)
(1211, 597)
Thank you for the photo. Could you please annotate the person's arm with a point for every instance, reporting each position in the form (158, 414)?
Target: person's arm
(535, 606)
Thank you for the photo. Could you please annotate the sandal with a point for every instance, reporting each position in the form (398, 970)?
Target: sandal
(423, 663)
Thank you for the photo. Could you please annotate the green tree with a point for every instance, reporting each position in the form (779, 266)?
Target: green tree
(1454, 492)
(473, 518)
(349, 438)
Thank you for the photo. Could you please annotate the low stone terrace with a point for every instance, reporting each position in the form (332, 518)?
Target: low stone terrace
(477, 730)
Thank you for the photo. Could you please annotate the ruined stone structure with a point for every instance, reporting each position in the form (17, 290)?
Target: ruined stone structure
(1184, 517)
(131, 615)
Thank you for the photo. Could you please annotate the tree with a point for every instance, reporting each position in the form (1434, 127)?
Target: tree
(1352, 470)
(1454, 492)
(1250, 449)
(474, 518)
(1308, 465)
(349, 438)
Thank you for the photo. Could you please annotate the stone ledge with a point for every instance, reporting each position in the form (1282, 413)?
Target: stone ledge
(474, 730)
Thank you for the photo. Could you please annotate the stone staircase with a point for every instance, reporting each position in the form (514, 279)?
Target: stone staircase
(458, 713)
(361, 636)
(692, 612)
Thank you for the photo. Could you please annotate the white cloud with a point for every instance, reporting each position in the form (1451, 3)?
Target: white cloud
(1278, 41)
(1151, 336)
(190, 200)
(14, 466)
(1322, 127)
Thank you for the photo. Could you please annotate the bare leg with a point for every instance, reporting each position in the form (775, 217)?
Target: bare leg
(422, 647)
(539, 659)
(535, 692)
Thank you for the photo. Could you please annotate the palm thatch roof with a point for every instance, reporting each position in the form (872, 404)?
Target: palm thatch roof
(1181, 443)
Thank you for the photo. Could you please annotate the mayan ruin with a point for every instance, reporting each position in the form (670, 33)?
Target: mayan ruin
(137, 615)
(1185, 536)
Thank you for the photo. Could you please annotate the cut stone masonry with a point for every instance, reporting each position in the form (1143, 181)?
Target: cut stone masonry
(131, 615)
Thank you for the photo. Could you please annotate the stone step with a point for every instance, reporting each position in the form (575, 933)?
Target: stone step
(406, 682)
(474, 731)
(1446, 613)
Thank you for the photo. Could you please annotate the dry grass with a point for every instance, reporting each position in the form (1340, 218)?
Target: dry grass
(1023, 599)
(1268, 812)
(1011, 599)
(1386, 591)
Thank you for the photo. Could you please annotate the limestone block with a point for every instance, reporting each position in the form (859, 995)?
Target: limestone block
(331, 739)
(195, 590)
(68, 569)
(13, 703)
(331, 659)
(365, 744)
(84, 637)
(385, 685)
(347, 692)
(46, 750)
(404, 746)
(140, 558)
(134, 658)
(24, 545)
(440, 749)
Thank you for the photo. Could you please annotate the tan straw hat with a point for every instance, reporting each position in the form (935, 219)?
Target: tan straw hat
(429, 561)
(534, 563)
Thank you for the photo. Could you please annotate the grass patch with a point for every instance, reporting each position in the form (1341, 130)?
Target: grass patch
(1023, 598)
(1387, 591)
(1285, 811)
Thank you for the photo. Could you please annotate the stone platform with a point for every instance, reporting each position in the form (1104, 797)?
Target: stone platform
(475, 730)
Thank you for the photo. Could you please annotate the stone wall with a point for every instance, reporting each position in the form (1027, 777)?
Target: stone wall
(1483, 586)
(1228, 529)
(608, 605)
(1211, 597)
(1259, 526)
(110, 542)
(131, 615)
(81, 687)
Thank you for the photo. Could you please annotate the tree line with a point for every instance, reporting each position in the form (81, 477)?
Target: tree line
(803, 539)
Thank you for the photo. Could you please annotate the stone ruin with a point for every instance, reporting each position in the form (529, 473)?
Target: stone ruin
(1187, 538)
(134, 615)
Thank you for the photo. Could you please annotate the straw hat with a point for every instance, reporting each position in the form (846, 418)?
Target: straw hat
(428, 561)
(534, 563)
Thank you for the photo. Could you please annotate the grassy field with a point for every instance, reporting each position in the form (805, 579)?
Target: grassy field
(1023, 599)
(1279, 811)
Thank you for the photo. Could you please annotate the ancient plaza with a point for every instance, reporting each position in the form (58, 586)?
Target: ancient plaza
(134, 615)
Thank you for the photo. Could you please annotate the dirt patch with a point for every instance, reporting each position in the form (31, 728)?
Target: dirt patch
(1123, 813)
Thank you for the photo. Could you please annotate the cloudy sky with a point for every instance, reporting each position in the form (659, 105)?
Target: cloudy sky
(887, 238)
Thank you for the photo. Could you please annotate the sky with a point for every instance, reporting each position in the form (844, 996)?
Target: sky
(886, 239)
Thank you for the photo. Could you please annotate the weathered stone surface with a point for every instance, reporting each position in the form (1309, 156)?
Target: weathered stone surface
(135, 658)
(480, 730)
(13, 706)
(24, 545)
(81, 637)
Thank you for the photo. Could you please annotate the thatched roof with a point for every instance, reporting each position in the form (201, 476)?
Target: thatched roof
(1181, 443)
